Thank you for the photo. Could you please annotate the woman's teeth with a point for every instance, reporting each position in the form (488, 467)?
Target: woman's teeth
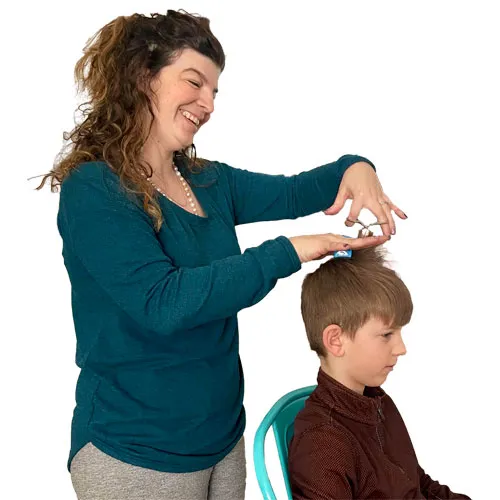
(191, 117)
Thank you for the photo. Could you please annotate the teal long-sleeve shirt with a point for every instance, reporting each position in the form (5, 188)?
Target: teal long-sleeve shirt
(155, 314)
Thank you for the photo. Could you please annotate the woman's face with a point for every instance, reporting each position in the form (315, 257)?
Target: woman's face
(184, 94)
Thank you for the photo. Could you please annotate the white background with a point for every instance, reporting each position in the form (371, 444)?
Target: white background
(411, 85)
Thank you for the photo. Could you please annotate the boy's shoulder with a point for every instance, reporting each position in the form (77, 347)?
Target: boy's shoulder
(318, 421)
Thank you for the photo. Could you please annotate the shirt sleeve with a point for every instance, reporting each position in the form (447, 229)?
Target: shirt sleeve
(432, 489)
(262, 197)
(322, 465)
(115, 241)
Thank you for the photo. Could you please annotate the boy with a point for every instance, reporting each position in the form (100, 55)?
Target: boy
(350, 441)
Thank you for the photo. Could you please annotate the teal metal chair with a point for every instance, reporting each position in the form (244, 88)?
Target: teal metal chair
(281, 417)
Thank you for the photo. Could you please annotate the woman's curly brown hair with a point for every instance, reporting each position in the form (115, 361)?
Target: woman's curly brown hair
(115, 72)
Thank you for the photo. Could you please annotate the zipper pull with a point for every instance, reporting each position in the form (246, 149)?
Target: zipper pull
(381, 413)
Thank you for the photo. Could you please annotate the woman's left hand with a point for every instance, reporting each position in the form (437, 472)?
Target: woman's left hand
(361, 185)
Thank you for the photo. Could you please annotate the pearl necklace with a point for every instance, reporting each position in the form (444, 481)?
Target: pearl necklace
(184, 185)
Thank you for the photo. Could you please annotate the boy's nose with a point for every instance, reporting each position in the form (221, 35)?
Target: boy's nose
(400, 349)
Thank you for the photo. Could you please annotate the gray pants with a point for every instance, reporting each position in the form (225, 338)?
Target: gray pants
(97, 476)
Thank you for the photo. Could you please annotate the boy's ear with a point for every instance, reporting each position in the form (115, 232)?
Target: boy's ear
(333, 340)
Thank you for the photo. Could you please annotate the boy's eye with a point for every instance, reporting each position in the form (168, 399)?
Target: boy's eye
(387, 335)
(195, 83)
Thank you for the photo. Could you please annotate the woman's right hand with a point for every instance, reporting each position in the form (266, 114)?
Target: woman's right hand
(317, 246)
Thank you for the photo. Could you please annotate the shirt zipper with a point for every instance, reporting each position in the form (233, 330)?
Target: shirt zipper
(381, 418)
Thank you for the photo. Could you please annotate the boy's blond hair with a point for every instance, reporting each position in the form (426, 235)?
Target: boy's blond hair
(348, 292)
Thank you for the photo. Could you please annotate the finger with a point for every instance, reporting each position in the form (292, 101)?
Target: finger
(398, 212)
(389, 218)
(339, 245)
(356, 207)
(390, 207)
(337, 242)
(339, 203)
(395, 208)
(380, 213)
(368, 241)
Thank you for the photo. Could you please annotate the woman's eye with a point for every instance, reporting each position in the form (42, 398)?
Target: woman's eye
(195, 83)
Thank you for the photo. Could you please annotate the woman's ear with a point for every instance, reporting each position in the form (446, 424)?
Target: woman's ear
(333, 340)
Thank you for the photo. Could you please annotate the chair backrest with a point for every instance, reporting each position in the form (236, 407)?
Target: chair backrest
(281, 417)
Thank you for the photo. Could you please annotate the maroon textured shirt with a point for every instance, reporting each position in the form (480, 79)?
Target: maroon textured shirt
(352, 446)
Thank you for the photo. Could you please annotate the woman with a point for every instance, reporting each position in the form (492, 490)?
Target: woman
(156, 271)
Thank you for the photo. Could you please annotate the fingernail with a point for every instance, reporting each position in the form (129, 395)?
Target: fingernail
(393, 232)
(405, 215)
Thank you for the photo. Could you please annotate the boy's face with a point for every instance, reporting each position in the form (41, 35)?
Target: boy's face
(371, 355)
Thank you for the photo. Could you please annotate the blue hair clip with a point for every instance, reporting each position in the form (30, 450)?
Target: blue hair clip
(343, 254)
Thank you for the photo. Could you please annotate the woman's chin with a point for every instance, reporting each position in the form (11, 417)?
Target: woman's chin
(185, 140)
